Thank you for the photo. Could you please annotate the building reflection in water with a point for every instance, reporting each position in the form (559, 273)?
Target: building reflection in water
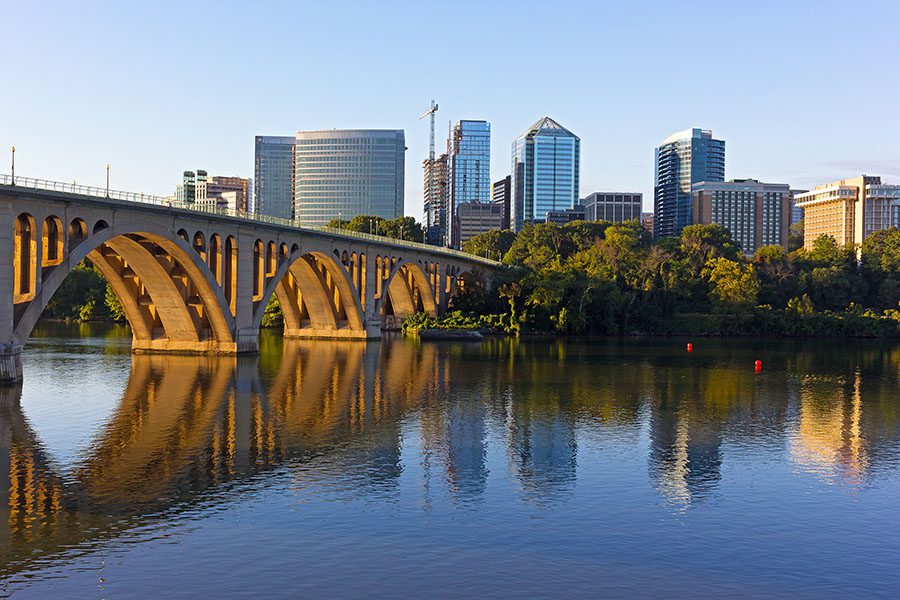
(333, 414)
(829, 438)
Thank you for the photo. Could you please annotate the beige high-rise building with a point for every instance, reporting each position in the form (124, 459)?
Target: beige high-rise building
(757, 214)
(849, 210)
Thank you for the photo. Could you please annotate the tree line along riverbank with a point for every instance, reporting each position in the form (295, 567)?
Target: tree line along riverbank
(613, 279)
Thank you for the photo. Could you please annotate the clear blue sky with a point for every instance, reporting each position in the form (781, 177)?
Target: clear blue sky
(802, 92)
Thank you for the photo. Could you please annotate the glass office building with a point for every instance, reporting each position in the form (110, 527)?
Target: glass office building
(344, 173)
(470, 169)
(545, 172)
(683, 159)
(274, 174)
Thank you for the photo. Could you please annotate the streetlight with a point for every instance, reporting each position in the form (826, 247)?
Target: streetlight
(13, 174)
(340, 220)
(107, 180)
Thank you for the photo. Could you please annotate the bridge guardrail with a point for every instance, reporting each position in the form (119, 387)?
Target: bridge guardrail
(140, 198)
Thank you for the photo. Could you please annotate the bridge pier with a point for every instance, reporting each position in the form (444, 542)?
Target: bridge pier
(10, 365)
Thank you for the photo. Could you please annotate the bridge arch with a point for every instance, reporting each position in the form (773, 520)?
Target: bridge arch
(317, 297)
(78, 232)
(52, 242)
(168, 294)
(408, 291)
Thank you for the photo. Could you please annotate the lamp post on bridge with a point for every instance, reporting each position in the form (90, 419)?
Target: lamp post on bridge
(107, 180)
(13, 172)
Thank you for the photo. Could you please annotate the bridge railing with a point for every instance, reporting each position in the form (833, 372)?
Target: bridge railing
(139, 198)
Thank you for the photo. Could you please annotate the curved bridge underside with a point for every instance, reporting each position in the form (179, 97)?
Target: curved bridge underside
(192, 282)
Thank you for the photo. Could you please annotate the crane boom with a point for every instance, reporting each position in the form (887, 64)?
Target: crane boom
(430, 112)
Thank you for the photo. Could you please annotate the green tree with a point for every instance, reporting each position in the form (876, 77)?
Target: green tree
(114, 308)
(493, 244)
(702, 243)
(734, 285)
(585, 233)
(81, 296)
(830, 274)
(360, 223)
(542, 247)
(406, 228)
(795, 236)
(880, 267)
(403, 228)
(272, 315)
(801, 306)
(777, 275)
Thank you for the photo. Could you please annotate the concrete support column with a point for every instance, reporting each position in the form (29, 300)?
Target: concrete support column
(441, 282)
(10, 350)
(10, 364)
(372, 319)
(246, 336)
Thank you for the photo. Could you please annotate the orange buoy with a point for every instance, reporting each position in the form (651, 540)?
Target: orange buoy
(758, 366)
(690, 347)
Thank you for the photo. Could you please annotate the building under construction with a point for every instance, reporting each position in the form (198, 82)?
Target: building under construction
(437, 198)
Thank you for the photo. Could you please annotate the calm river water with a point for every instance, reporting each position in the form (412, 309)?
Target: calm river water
(496, 469)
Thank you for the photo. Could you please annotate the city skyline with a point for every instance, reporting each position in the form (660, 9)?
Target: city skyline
(125, 92)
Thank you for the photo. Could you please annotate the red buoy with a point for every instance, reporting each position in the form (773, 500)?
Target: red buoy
(690, 347)
(758, 366)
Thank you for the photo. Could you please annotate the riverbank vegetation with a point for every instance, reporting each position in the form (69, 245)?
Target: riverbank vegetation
(84, 296)
(604, 278)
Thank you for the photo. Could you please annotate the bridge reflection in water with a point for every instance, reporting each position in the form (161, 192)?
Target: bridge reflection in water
(189, 430)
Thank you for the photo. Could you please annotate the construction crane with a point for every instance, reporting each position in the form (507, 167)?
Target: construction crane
(431, 111)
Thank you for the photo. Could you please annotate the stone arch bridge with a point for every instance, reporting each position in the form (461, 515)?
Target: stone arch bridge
(195, 281)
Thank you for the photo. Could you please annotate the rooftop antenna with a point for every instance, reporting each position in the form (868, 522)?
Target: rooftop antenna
(430, 112)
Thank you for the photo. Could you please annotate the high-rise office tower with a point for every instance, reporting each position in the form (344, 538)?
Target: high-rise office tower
(500, 195)
(437, 195)
(683, 159)
(545, 172)
(757, 214)
(349, 172)
(849, 210)
(274, 174)
(469, 154)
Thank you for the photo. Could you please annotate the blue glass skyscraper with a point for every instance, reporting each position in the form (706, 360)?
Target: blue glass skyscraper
(545, 172)
(469, 169)
(683, 159)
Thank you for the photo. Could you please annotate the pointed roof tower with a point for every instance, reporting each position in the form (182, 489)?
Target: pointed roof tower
(548, 126)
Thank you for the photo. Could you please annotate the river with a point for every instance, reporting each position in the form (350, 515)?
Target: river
(502, 468)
